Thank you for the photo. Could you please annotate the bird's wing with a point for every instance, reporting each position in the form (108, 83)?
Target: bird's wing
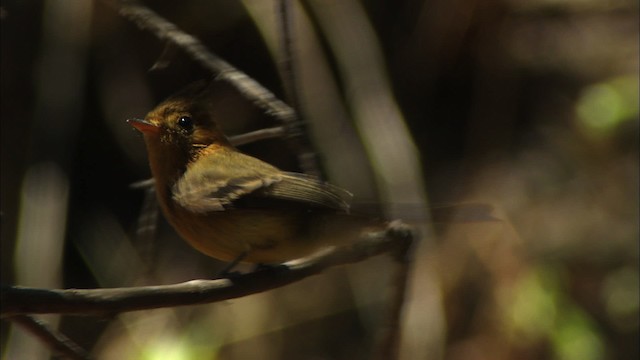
(308, 189)
(215, 182)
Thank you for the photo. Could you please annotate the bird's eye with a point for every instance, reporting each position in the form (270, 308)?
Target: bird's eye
(185, 122)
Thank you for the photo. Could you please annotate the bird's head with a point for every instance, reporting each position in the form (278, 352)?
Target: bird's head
(179, 127)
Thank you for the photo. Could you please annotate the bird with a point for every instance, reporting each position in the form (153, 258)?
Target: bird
(232, 206)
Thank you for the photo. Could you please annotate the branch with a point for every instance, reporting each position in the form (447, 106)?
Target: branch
(388, 345)
(163, 29)
(55, 341)
(262, 134)
(18, 300)
(287, 61)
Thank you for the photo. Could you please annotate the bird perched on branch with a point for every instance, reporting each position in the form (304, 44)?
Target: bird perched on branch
(232, 206)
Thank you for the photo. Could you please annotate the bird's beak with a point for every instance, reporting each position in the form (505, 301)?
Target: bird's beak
(144, 126)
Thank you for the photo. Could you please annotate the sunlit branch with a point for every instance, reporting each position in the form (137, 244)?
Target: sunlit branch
(18, 300)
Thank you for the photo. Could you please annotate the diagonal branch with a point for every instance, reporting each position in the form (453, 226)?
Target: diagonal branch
(163, 29)
(57, 342)
(18, 300)
(149, 20)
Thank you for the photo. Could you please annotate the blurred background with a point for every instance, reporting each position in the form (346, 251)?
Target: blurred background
(530, 106)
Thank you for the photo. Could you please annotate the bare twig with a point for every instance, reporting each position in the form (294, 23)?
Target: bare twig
(389, 342)
(147, 227)
(55, 341)
(164, 60)
(22, 300)
(261, 134)
(287, 61)
(149, 20)
(306, 158)
(143, 184)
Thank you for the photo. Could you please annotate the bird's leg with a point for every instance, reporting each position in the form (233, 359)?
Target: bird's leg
(261, 266)
(226, 272)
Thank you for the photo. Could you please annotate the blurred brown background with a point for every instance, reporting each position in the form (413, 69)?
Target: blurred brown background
(530, 105)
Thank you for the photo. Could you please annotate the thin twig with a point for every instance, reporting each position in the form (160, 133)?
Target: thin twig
(55, 341)
(262, 134)
(146, 229)
(389, 342)
(22, 300)
(287, 61)
(307, 159)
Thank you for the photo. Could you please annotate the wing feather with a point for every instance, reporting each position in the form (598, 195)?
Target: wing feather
(214, 183)
(306, 188)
